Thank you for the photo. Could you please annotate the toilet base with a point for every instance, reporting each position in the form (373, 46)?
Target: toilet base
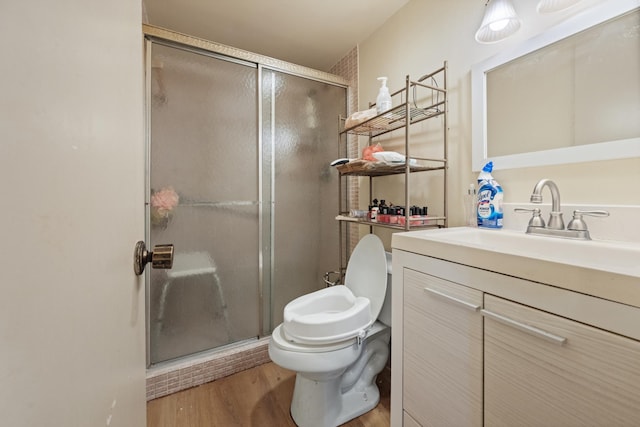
(321, 404)
(341, 396)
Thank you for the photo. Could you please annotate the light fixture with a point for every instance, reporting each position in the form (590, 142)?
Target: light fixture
(550, 6)
(499, 22)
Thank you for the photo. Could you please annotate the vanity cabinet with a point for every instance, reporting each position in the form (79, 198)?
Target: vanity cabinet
(473, 347)
(542, 369)
(442, 351)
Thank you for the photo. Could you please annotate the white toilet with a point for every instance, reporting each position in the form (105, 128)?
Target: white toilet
(337, 340)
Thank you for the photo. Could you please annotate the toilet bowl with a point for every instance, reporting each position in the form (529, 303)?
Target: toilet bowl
(337, 341)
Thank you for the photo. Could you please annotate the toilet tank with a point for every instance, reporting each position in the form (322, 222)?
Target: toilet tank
(385, 313)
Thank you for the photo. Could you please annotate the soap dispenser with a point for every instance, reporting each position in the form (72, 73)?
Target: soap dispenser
(383, 101)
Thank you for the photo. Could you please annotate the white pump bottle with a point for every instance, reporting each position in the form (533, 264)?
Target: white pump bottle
(383, 101)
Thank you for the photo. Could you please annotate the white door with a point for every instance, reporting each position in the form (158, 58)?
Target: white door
(71, 209)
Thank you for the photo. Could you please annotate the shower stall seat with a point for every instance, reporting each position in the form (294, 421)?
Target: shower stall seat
(190, 264)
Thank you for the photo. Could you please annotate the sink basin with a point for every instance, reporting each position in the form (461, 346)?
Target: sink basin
(616, 257)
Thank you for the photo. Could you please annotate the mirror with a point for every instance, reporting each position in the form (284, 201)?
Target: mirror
(570, 94)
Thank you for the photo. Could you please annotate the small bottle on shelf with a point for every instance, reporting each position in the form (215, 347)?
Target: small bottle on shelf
(402, 220)
(383, 213)
(383, 101)
(393, 215)
(373, 211)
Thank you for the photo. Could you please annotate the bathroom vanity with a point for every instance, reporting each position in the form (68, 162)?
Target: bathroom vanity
(495, 327)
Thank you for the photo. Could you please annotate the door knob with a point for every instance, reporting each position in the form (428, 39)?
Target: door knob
(160, 257)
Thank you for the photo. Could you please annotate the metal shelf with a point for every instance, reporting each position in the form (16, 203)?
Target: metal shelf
(420, 100)
(434, 222)
(364, 168)
(394, 119)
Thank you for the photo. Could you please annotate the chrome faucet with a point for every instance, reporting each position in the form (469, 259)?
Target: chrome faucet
(577, 228)
(555, 217)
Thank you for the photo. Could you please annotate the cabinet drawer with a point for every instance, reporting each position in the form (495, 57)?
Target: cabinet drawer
(545, 370)
(442, 354)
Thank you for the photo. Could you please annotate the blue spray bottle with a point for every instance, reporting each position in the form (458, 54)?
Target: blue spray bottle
(489, 208)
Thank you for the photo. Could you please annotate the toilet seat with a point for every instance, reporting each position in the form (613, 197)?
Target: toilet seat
(325, 316)
(280, 339)
(341, 313)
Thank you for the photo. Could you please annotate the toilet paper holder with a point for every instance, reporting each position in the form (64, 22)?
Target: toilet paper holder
(328, 279)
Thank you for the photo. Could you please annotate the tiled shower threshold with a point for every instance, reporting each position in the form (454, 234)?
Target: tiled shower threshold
(173, 376)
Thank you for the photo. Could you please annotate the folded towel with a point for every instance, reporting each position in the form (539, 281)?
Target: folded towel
(391, 157)
(359, 117)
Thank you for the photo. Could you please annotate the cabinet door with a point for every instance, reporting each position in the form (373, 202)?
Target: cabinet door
(545, 370)
(442, 372)
(407, 421)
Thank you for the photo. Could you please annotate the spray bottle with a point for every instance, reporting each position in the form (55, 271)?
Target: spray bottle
(489, 199)
(383, 101)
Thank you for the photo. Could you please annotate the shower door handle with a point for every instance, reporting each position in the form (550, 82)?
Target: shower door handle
(160, 257)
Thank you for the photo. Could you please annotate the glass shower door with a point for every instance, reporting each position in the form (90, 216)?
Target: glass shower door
(300, 139)
(203, 180)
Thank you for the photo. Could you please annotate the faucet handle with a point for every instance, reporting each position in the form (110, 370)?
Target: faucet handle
(591, 213)
(536, 220)
(578, 224)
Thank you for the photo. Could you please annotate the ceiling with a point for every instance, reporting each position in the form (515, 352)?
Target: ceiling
(315, 34)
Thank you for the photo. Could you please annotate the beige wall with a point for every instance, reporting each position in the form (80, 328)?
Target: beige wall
(426, 32)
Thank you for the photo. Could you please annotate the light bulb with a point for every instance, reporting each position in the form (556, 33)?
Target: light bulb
(499, 25)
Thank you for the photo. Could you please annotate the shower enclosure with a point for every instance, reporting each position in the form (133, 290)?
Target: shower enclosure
(239, 182)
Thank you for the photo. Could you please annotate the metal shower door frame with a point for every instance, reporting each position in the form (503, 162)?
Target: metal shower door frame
(169, 38)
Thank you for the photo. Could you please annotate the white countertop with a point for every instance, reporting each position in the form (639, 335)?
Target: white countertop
(605, 269)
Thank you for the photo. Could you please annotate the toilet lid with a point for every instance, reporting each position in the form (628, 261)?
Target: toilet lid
(367, 272)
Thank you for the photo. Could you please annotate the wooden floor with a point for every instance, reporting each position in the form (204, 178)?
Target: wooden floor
(256, 397)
